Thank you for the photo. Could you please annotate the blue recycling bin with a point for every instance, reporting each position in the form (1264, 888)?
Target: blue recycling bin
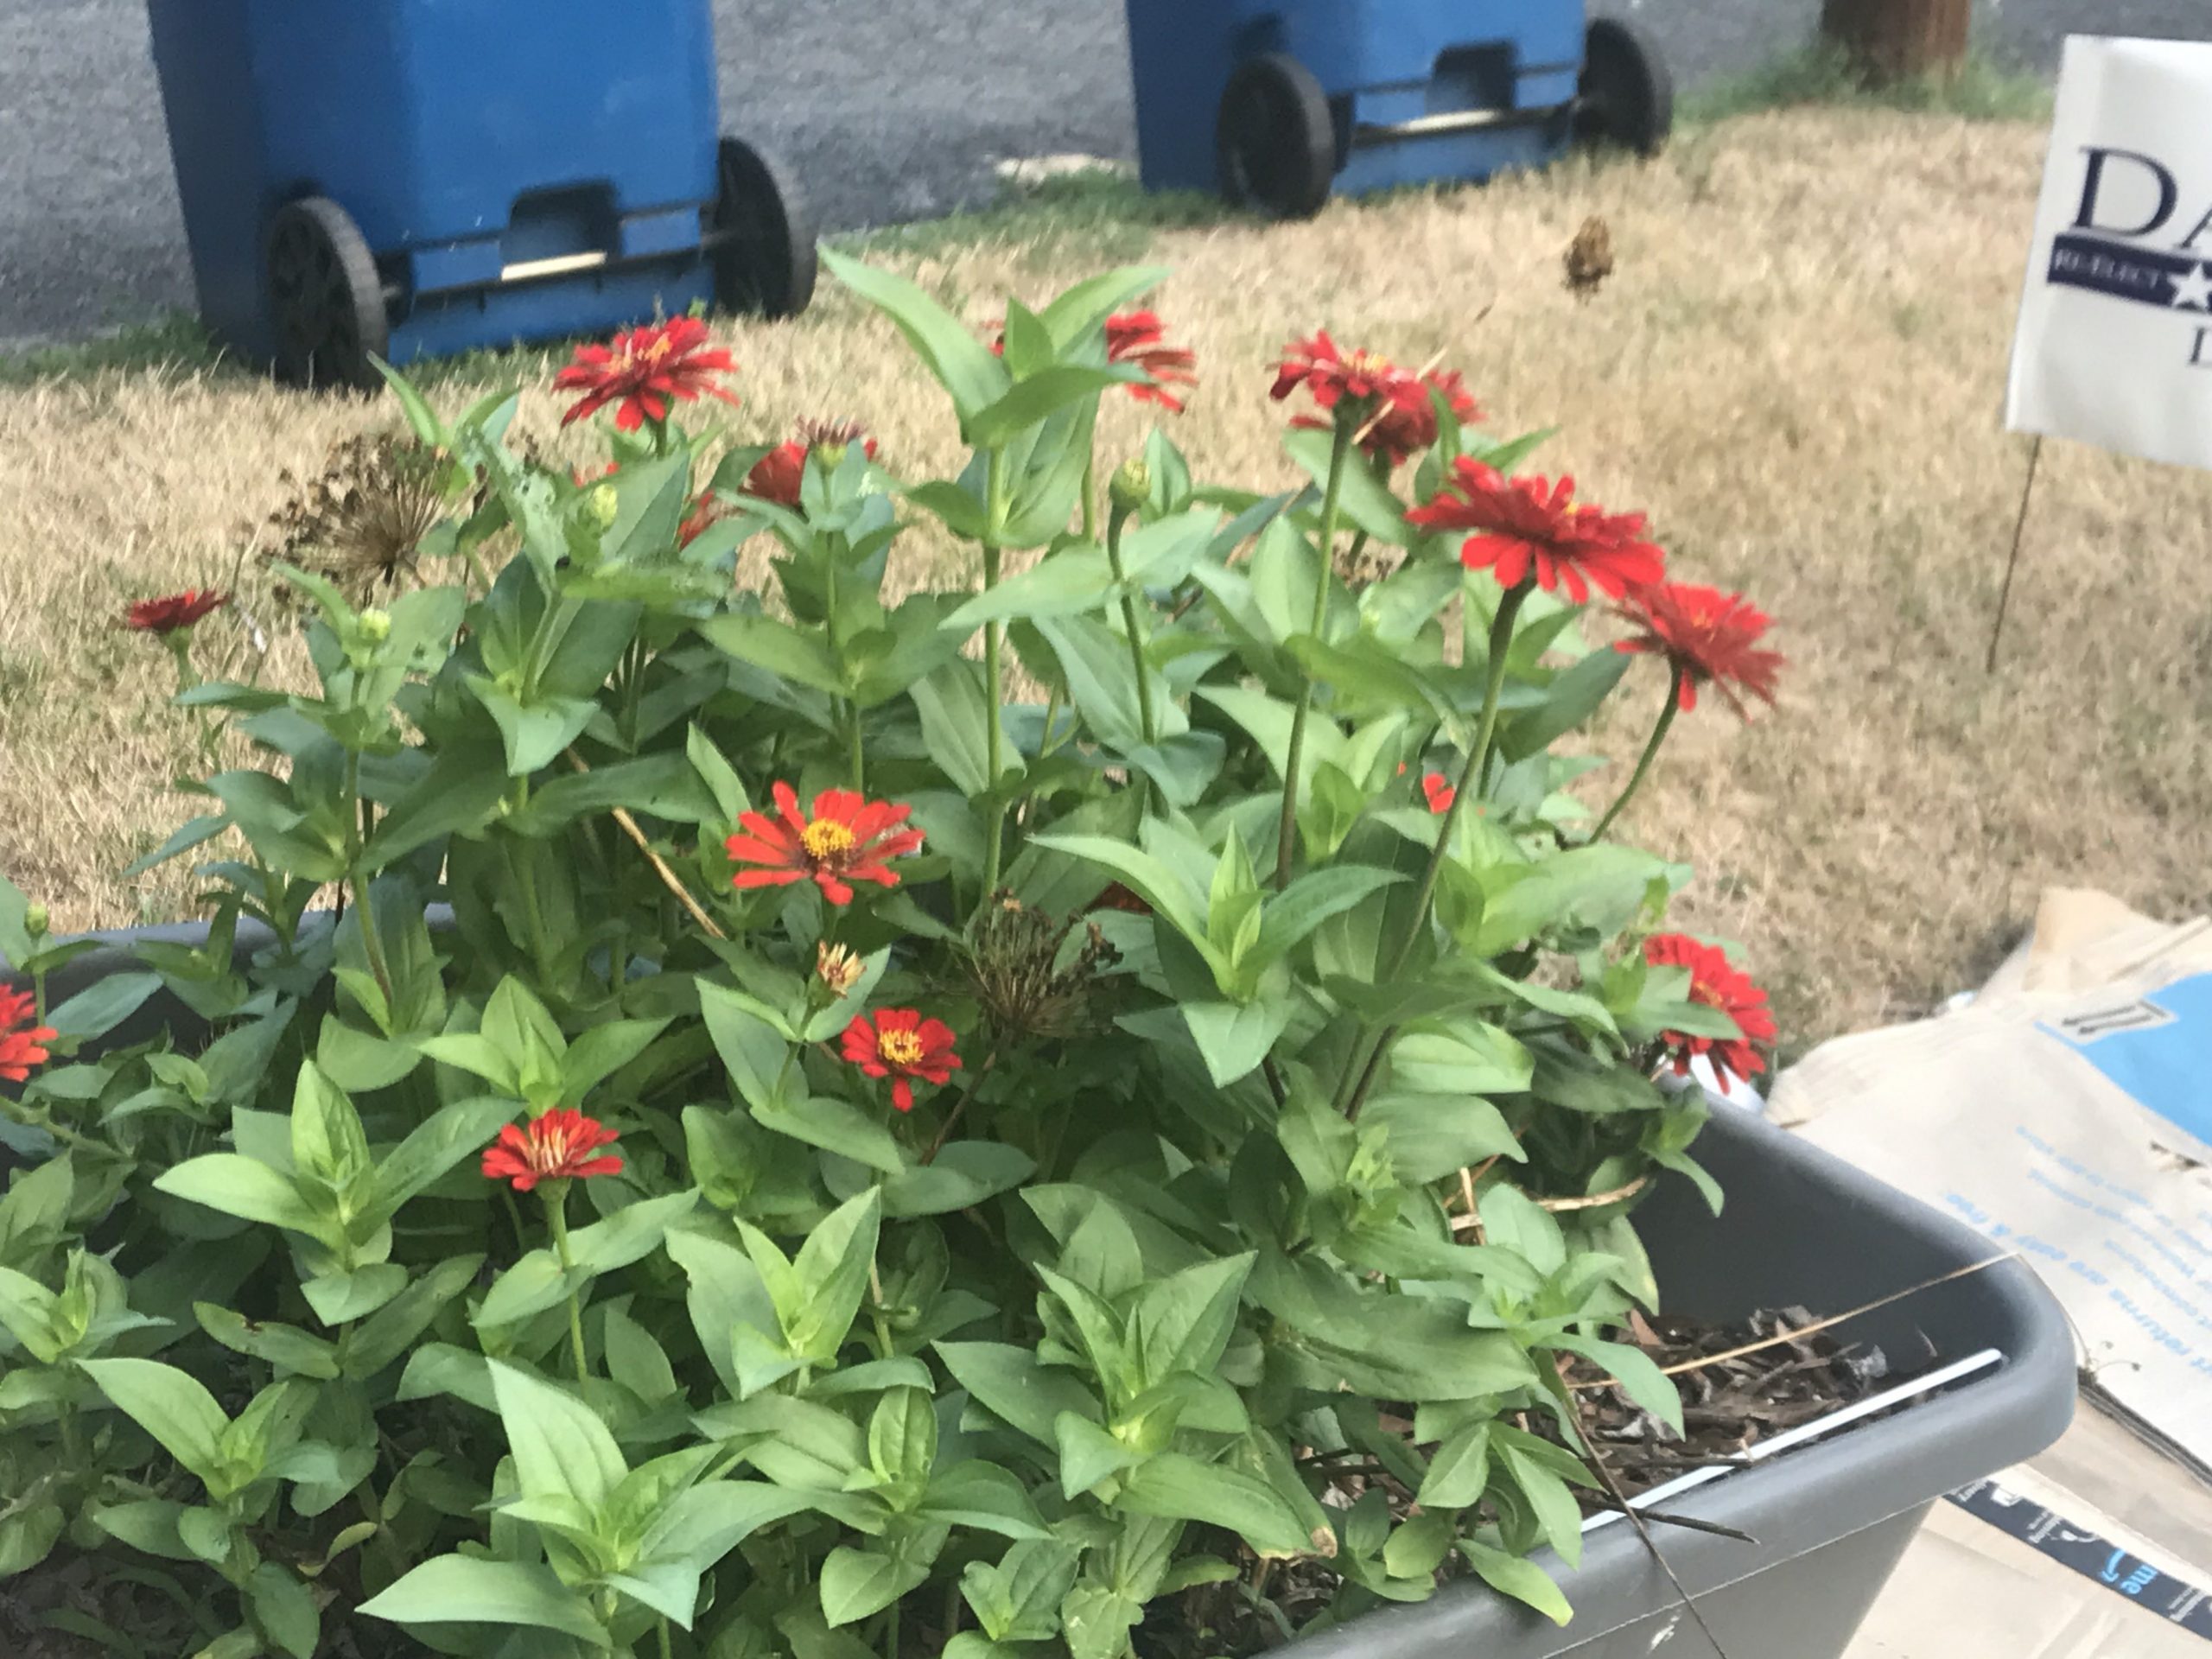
(1277, 103)
(407, 179)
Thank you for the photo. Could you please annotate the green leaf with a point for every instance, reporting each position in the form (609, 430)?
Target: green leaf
(533, 732)
(983, 1495)
(446, 1137)
(1550, 1500)
(283, 1610)
(1088, 1453)
(561, 1448)
(1312, 899)
(1150, 878)
(240, 1187)
(1013, 1383)
(368, 1348)
(339, 1298)
(286, 1347)
(1072, 582)
(832, 1270)
(1571, 699)
(1030, 399)
(1082, 309)
(858, 1583)
(835, 1126)
(963, 1175)
(101, 1006)
(1364, 499)
(1430, 1136)
(776, 647)
(1458, 1472)
(169, 1405)
(960, 362)
(1636, 1372)
(467, 1590)
(1102, 683)
(717, 774)
(754, 1053)
(1174, 1487)
(955, 714)
(1234, 1037)
(1523, 1580)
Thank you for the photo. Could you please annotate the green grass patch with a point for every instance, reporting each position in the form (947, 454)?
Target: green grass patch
(175, 339)
(1982, 90)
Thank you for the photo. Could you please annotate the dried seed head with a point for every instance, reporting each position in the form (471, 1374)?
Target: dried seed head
(361, 521)
(1030, 981)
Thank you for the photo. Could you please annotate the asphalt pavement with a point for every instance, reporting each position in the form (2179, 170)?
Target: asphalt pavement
(888, 109)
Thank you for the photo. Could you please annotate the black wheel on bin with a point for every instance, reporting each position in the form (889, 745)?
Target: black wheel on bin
(763, 235)
(1626, 97)
(1275, 143)
(325, 301)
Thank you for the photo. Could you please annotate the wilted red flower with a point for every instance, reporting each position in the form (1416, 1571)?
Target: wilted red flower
(1363, 379)
(844, 838)
(778, 475)
(176, 610)
(1527, 528)
(1119, 897)
(1717, 983)
(1706, 636)
(1403, 431)
(22, 1046)
(901, 1045)
(1139, 337)
(646, 371)
(1438, 788)
(558, 1147)
(704, 511)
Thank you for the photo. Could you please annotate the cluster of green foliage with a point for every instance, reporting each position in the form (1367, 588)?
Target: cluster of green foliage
(1069, 1359)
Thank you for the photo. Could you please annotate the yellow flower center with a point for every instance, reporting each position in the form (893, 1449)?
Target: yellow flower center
(826, 841)
(900, 1048)
(658, 350)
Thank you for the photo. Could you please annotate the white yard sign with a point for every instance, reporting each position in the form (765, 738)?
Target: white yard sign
(2114, 347)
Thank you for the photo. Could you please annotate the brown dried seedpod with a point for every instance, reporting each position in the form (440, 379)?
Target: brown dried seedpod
(1589, 258)
(361, 521)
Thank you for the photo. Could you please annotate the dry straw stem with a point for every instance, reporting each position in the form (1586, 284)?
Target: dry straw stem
(1799, 1333)
(1796, 370)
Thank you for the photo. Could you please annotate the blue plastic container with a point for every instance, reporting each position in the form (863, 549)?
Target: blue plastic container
(481, 146)
(1382, 64)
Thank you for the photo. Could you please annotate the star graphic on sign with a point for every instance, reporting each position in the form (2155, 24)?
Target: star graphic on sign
(2194, 286)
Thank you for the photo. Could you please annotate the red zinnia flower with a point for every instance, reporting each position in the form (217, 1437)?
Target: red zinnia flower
(1138, 337)
(558, 1147)
(1527, 528)
(901, 1045)
(1438, 788)
(21, 1050)
(646, 371)
(778, 474)
(1365, 379)
(176, 610)
(844, 838)
(1706, 636)
(1719, 984)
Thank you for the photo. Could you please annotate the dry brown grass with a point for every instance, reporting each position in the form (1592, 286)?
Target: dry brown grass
(1796, 370)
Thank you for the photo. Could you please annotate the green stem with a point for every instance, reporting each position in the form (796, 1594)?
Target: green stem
(1471, 776)
(372, 941)
(1091, 496)
(1643, 761)
(995, 732)
(891, 1635)
(858, 756)
(38, 993)
(667, 1647)
(1118, 517)
(556, 1212)
(1286, 830)
(876, 1316)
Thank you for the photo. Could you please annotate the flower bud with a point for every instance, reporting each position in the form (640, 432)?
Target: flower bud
(831, 454)
(34, 920)
(1132, 486)
(837, 968)
(375, 626)
(602, 506)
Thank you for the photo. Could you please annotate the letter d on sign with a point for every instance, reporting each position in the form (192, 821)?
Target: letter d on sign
(2093, 179)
